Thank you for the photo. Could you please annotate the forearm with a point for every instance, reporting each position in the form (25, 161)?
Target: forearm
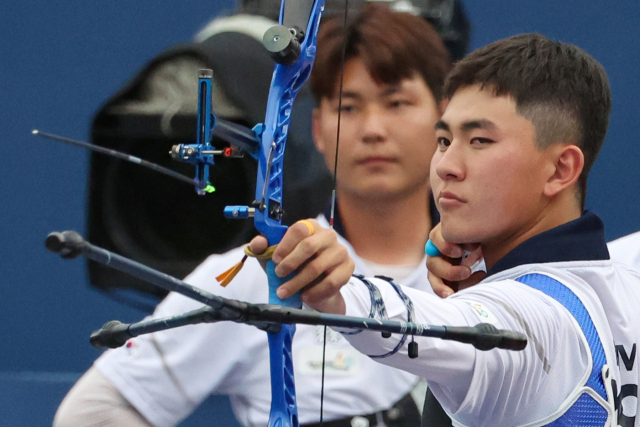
(439, 361)
(94, 401)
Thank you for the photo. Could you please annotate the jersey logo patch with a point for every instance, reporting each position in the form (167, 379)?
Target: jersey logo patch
(483, 312)
(343, 362)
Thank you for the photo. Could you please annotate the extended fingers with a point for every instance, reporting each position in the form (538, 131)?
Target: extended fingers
(298, 251)
(327, 285)
(330, 268)
(446, 279)
(449, 271)
(444, 275)
(324, 295)
(297, 233)
(439, 287)
(443, 268)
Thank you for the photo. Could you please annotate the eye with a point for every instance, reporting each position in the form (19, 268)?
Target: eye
(346, 108)
(481, 140)
(443, 142)
(396, 103)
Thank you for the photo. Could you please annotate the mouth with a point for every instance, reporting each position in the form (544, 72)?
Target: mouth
(447, 198)
(375, 160)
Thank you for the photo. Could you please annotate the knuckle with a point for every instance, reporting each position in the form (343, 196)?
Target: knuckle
(313, 294)
(314, 269)
(452, 275)
(343, 254)
(299, 230)
(307, 246)
(333, 284)
(299, 227)
(283, 270)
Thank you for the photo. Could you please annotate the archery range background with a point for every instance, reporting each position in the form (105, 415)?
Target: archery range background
(61, 61)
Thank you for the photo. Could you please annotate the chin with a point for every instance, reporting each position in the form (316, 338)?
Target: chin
(459, 235)
(454, 238)
(382, 191)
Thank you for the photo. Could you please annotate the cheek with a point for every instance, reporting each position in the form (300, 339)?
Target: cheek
(420, 142)
(434, 179)
(324, 133)
(510, 190)
(418, 157)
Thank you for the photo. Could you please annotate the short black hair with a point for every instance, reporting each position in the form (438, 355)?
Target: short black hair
(562, 89)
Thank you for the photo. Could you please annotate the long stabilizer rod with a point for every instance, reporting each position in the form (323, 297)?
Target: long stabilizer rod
(265, 316)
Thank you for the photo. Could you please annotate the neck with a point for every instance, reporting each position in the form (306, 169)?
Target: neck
(391, 231)
(550, 217)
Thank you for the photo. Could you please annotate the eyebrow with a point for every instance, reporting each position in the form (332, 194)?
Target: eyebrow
(467, 126)
(390, 90)
(442, 125)
(352, 95)
(477, 124)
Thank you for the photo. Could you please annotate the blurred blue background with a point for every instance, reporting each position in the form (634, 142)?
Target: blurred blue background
(61, 60)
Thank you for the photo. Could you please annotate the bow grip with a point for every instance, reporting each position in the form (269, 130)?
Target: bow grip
(284, 410)
(294, 301)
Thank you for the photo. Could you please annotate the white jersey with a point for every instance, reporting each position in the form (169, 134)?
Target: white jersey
(166, 375)
(626, 250)
(534, 387)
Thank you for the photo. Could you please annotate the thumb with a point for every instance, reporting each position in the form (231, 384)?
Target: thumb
(258, 245)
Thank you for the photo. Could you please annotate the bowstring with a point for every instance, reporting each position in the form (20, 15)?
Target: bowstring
(335, 166)
(333, 192)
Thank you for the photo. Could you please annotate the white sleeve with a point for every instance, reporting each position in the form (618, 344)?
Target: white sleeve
(482, 387)
(94, 401)
(166, 375)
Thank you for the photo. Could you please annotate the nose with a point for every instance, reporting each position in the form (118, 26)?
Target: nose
(374, 125)
(450, 163)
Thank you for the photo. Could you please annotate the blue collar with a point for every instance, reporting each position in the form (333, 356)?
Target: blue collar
(339, 227)
(579, 240)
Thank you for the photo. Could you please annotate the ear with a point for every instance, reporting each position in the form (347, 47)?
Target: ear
(568, 162)
(316, 125)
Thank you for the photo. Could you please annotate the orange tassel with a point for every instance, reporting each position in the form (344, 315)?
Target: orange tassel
(226, 277)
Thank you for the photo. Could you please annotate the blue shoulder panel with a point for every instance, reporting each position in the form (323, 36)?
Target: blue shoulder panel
(586, 411)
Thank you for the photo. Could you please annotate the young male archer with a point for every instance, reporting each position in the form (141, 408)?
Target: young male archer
(525, 119)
